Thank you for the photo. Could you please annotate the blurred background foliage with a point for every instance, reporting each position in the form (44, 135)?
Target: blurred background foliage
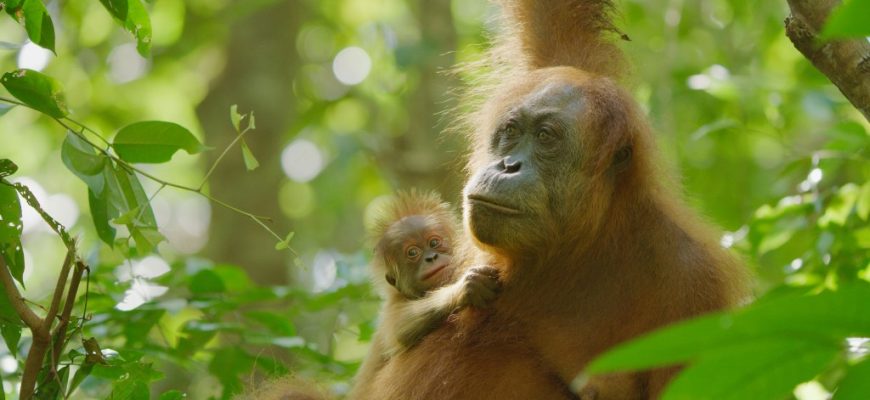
(352, 98)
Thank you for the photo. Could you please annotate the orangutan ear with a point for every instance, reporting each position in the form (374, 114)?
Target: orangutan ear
(390, 280)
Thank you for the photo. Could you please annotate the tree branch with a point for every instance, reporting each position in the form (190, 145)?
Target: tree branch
(27, 315)
(845, 62)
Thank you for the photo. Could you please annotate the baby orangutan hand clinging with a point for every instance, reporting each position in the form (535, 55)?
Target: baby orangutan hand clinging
(415, 265)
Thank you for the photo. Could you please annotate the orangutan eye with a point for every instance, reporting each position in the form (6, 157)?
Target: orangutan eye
(413, 252)
(434, 242)
(545, 135)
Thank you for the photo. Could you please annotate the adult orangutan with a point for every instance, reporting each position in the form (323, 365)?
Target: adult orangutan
(567, 199)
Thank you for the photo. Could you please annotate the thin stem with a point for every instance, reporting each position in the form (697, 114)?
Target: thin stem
(80, 134)
(221, 157)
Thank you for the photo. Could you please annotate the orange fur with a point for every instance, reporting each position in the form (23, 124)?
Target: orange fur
(618, 255)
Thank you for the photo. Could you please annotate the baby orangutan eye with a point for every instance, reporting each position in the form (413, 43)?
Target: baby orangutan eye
(412, 252)
(434, 242)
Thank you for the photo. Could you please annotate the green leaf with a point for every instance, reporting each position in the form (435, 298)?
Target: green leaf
(863, 206)
(235, 117)
(83, 372)
(252, 122)
(146, 239)
(856, 384)
(7, 167)
(154, 141)
(767, 369)
(12, 7)
(84, 162)
(11, 332)
(206, 281)
(848, 20)
(131, 14)
(128, 217)
(229, 377)
(126, 193)
(173, 395)
(117, 8)
(251, 162)
(37, 90)
(102, 212)
(833, 315)
(10, 231)
(275, 323)
(38, 24)
(285, 244)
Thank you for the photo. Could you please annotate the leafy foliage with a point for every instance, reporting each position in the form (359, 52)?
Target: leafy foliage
(767, 148)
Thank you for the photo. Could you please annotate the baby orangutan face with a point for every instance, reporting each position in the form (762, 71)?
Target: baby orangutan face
(417, 254)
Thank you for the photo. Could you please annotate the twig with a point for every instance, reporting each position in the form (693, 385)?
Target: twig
(845, 62)
(59, 334)
(259, 219)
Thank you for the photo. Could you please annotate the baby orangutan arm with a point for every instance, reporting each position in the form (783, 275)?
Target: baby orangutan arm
(407, 322)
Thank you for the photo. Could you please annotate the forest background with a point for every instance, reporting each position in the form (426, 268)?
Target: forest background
(325, 108)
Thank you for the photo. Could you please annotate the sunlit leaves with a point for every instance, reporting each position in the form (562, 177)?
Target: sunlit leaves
(10, 231)
(848, 20)
(38, 24)
(34, 16)
(154, 142)
(131, 14)
(37, 90)
(768, 348)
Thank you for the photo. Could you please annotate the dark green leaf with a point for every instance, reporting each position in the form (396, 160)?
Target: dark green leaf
(49, 387)
(229, 377)
(12, 7)
(84, 162)
(117, 8)
(848, 20)
(832, 315)
(10, 231)
(38, 24)
(206, 281)
(102, 212)
(131, 14)
(11, 332)
(7, 167)
(856, 384)
(83, 372)
(37, 90)
(765, 369)
(154, 142)
(275, 323)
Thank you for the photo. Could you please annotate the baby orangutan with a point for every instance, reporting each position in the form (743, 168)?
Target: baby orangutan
(415, 234)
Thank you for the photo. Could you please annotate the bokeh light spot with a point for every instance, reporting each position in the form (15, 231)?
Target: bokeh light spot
(351, 65)
(33, 57)
(302, 161)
